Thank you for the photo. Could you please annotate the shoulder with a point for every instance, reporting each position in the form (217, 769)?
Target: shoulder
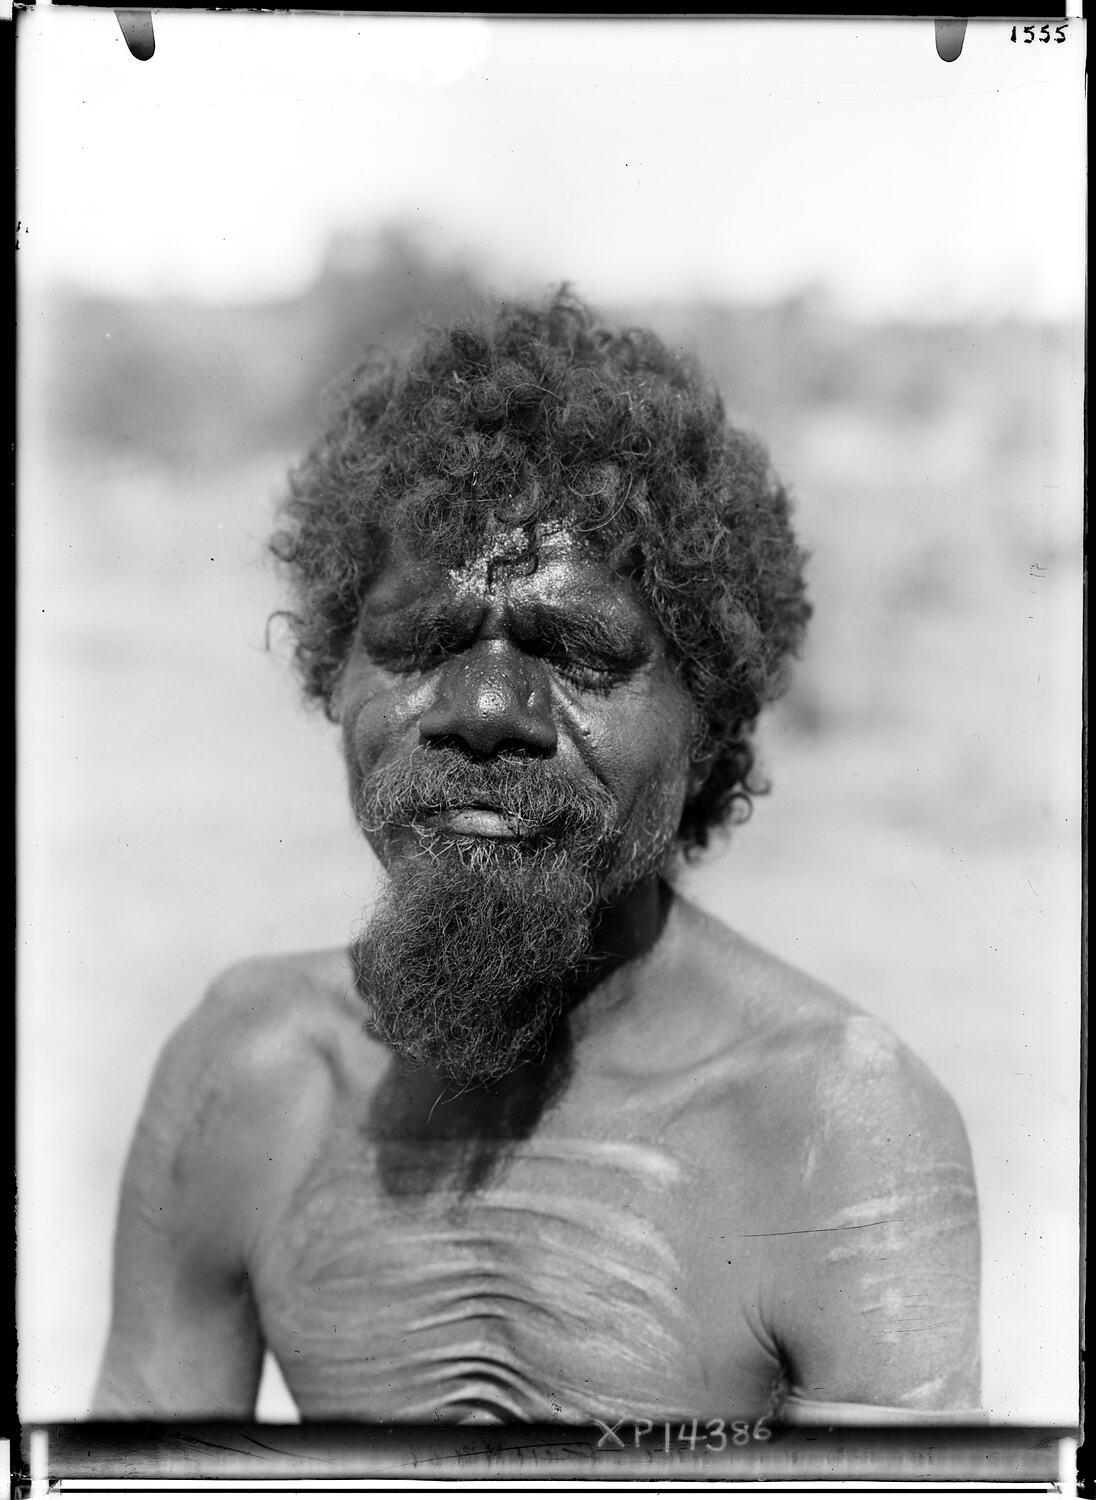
(813, 1062)
(270, 1037)
(867, 1082)
(265, 1012)
(876, 1128)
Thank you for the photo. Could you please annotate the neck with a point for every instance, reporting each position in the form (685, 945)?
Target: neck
(626, 932)
(629, 927)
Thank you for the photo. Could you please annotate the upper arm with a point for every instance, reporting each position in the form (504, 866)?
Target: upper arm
(876, 1295)
(184, 1336)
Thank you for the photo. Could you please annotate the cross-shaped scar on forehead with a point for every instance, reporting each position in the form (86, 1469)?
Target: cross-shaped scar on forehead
(511, 549)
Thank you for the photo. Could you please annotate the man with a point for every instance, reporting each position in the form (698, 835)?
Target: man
(546, 1142)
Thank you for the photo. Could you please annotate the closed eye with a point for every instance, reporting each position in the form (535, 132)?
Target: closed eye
(590, 676)
(587, 650)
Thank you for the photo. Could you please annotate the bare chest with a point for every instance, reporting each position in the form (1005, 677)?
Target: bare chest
(580, 1281)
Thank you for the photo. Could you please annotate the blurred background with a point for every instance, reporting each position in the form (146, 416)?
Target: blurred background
(880, 258)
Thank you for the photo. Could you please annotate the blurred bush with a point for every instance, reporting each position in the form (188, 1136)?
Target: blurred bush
(178, 379)
(185, 382)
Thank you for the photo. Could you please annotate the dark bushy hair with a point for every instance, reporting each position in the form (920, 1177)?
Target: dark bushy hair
(546, 415)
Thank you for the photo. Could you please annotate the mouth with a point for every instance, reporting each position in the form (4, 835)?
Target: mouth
(477, 821)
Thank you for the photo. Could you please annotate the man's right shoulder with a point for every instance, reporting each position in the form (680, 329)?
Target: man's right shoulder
(268, 1031)
(265, 1001)
(271, 991)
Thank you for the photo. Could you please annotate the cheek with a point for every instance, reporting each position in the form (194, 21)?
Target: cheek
(377, 721)
(639, 746)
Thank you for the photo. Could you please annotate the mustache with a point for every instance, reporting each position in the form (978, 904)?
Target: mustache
(540, 800)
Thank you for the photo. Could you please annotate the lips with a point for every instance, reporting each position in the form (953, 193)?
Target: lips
(477, 822)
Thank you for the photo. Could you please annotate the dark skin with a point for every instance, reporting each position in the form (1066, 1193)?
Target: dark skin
(723, 1183)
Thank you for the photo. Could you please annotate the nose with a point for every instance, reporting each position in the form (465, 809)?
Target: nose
(492, 699)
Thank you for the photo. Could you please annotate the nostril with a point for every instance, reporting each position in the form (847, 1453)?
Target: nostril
(486, 709)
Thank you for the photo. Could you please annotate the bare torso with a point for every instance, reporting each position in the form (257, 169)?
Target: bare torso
(737, 1187)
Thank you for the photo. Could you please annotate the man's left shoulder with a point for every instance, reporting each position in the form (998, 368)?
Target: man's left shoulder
(869, 1117)
(817, 1061)
(872, 1090)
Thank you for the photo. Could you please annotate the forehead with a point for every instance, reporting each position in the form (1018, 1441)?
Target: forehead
(551, 567)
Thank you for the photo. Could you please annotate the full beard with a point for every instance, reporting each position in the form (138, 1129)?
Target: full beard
(470, 956)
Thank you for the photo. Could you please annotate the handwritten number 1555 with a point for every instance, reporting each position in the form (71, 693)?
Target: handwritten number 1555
(1044, 33)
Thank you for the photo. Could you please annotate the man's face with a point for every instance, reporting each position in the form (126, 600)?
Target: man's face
(517, 748)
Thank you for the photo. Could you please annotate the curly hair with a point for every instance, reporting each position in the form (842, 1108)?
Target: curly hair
(545, 415)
